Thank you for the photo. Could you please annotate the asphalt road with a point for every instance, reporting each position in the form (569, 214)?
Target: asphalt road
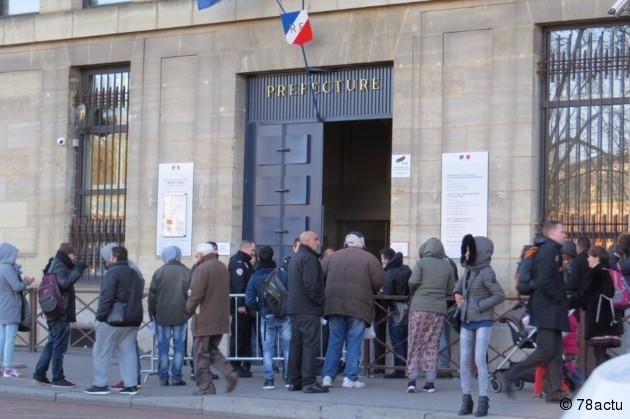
(14, 407)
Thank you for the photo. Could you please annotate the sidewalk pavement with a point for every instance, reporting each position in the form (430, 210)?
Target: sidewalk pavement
(381, 398)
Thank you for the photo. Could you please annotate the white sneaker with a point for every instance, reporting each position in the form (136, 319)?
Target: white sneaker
(327, 381)
(11, 373)
(347, 383)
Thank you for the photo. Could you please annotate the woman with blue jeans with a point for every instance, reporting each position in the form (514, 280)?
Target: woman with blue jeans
(477, 292)
(11, 284)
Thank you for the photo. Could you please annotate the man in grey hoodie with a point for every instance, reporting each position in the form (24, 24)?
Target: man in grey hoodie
(167, 308)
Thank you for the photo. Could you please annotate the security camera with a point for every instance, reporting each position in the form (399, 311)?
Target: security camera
(621, 7)
(61, 141)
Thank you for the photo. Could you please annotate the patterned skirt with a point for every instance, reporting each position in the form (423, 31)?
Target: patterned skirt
(424, 338)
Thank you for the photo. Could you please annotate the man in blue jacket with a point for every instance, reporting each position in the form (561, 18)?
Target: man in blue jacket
(271, 327)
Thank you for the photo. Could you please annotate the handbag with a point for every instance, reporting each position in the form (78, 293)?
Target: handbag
(26, 319)
(454, 318)
(116, 315)
(400, 314)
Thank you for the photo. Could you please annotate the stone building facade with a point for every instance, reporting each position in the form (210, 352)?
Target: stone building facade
(464, 78)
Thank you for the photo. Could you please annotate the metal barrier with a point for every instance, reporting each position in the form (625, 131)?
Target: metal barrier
(87, 300)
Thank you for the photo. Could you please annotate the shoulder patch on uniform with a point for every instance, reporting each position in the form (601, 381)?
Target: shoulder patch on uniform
(239, 271)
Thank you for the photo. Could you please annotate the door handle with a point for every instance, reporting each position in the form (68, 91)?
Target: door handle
(283, 150)
(281, 231)
(282, 190)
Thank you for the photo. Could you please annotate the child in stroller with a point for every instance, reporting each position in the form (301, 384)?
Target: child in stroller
(524, 337)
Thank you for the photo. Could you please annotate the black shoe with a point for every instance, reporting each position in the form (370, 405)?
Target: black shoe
(508, 385)
(133, 390)
(164, 382)
(294, 387)
(43, 381)
(178, 383)
(268, 385)
(63, 384)
(395, 374)
(97, 390)
(428, 387)
(554, 396)
(315, 388)
(243, 373)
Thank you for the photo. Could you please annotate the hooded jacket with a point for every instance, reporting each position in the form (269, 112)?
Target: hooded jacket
(478, 285)
(106, 252)
(396, 277)
(432, 279)
(254, 298)
(10, 284)
(168, 291)
(352, 277)
(121, 283)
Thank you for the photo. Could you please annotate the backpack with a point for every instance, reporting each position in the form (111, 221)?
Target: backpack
(49, 296)
(274, 294)
(524, 277)
(621, 299)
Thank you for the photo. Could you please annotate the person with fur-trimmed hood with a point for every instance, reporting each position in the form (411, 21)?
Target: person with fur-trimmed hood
(477, 292)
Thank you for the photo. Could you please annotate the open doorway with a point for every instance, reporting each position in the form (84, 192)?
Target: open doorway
(357, 182)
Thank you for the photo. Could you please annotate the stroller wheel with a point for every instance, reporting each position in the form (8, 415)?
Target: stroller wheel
(518, 384)
(496, 385)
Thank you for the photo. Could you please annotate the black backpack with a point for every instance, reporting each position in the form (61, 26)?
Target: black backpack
(274, 293)
(524, 278)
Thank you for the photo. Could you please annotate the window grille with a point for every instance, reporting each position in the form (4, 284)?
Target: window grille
(100, 202)
(586, 106)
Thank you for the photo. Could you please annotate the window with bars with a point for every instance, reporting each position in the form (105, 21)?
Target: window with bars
(586, 106)
(101, 121)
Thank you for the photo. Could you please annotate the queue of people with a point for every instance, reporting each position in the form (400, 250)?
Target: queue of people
(338, 288)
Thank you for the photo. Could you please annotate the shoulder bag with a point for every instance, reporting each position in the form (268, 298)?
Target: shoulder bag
(26, 319)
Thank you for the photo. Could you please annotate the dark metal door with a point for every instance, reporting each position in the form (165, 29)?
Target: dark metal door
(283, 184)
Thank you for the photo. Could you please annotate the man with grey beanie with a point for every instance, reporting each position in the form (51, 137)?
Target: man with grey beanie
(168, 293)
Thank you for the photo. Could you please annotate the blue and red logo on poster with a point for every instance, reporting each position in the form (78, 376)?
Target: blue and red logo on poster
(297, 27)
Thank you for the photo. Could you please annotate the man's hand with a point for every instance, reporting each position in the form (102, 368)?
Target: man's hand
(242, 310)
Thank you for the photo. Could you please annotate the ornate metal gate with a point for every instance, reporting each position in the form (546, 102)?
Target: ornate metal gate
(586, 106)
(101, 119)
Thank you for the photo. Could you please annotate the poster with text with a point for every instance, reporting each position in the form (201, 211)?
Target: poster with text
(174, 212)
(464, 198)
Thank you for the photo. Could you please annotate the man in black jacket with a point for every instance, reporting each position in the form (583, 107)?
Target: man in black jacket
(62, 265)
(241, 268)
(579, 266)
(305, 306)
(548, 310)
(121, 284)
(396, 283)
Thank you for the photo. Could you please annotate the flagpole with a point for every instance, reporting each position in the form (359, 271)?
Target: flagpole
(310, 85)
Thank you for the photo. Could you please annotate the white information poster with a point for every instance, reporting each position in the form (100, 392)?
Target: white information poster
(174, 212)
(401, 165)
(464, 198)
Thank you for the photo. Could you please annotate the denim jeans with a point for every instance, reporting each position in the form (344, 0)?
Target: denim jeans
(8, 332)
(481, 338)
(271, 329)
(444, 357)
(398, 336)
(164, 335)
(53, 352)
(346, 329)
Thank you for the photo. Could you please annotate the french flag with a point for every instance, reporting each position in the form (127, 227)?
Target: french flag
(204, 4)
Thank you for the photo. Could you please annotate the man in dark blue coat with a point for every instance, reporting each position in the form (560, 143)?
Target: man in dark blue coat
(548, 310)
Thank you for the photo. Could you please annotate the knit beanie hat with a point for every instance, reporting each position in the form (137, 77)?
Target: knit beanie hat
(354, 239)
(67, 248)
(569, 248)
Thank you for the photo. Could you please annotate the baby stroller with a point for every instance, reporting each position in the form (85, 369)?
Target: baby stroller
(524, 337)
